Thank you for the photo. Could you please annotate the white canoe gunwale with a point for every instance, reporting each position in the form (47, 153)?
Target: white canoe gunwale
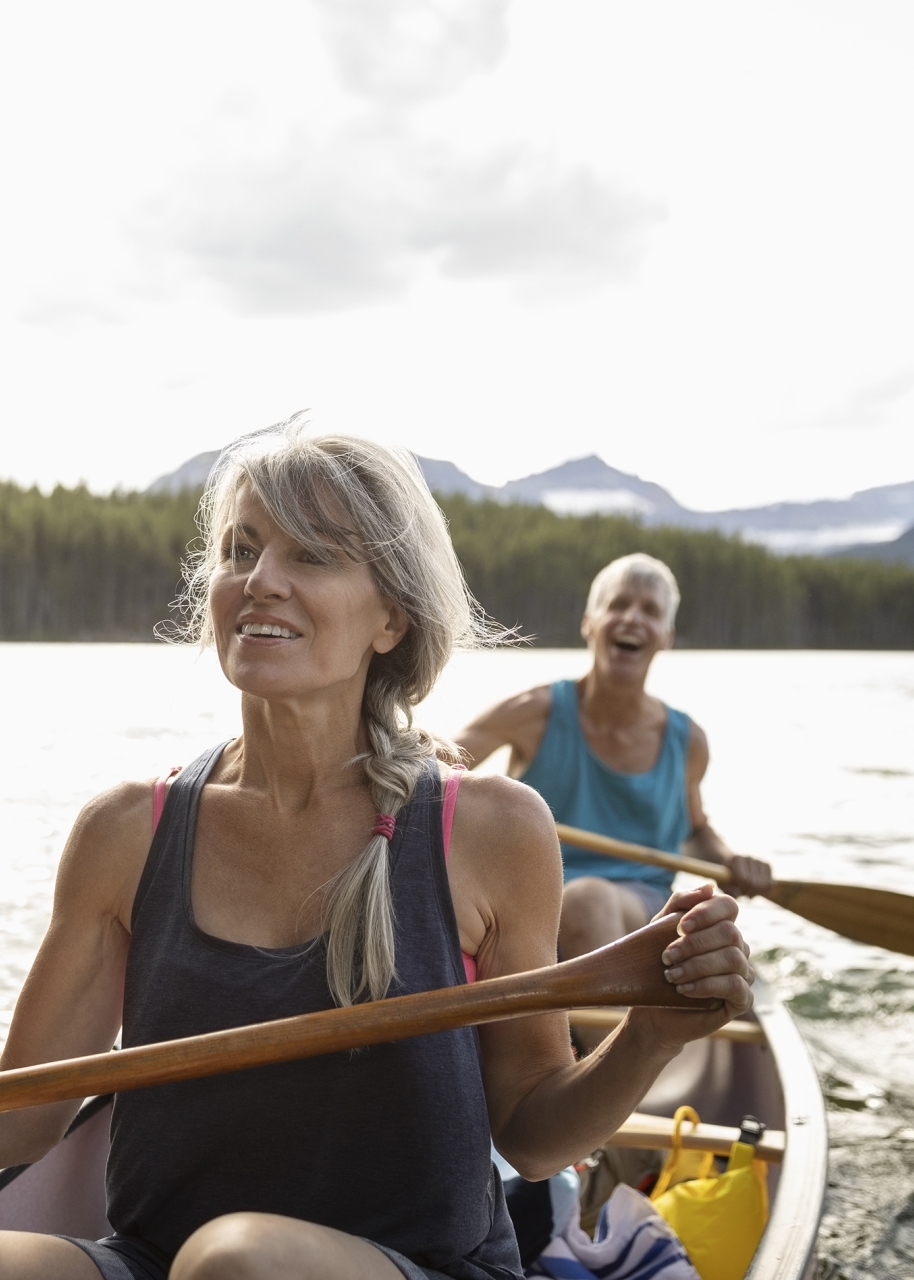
(788, 1247)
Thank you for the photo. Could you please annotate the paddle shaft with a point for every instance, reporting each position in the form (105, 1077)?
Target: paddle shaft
(627, 972)
(877, 917)
(640, 853)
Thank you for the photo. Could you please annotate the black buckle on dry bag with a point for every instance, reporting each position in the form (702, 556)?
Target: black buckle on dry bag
(751, 1130)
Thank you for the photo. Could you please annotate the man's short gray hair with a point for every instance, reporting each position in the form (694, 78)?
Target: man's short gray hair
(639, 568)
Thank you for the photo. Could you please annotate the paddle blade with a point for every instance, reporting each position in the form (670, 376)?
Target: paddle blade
(878, 917)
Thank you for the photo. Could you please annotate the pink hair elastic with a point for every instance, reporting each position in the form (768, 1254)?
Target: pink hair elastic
(384, 825)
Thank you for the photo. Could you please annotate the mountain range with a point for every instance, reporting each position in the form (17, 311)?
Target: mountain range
(873, 523)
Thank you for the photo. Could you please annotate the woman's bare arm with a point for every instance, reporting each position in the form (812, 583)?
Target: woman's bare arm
(72, 999)
(545, 1109)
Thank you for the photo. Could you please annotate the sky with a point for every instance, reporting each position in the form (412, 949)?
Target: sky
(503, 233)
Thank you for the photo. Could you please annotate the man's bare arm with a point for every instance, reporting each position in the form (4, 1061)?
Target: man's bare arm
(518, 723)
(750, 875)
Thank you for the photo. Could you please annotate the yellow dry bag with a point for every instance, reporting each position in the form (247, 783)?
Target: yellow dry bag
(718, 1217)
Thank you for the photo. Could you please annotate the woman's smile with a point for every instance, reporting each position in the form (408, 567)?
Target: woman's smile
(258, 630)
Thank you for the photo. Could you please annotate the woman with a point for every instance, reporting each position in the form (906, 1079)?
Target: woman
(309, 862)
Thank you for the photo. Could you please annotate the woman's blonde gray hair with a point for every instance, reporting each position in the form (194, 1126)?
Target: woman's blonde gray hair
(344, 496)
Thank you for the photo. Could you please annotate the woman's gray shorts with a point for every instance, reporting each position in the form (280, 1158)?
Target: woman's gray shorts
(126, 1258)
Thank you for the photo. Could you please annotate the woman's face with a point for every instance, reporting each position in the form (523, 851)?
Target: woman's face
(287, 626)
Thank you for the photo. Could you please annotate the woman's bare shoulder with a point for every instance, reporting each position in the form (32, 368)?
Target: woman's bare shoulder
(494, 795)
(497, 814)
(106, 850)
(119, 811)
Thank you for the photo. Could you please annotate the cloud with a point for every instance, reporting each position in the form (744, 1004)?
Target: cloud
(355, 218)
(69, 314)
(869, 405)
(886, 391)
(517, 214)
(397, 52)
(321, 217)
(310, 231)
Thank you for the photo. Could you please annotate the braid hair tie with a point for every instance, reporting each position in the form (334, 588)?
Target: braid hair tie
(384, 825)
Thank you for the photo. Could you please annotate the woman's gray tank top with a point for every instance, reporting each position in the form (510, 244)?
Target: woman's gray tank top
(390, 1143)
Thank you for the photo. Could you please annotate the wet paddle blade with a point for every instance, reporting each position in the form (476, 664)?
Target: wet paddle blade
(878, 917)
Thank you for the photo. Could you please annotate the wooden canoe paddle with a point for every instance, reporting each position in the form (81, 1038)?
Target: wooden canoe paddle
(877, 917)
(627, 972)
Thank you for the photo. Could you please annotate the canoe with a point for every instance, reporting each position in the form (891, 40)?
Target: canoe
(760, 1068)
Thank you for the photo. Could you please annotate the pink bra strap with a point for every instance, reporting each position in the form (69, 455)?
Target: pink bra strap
(447, 822)
(159, 792)
(449, 805)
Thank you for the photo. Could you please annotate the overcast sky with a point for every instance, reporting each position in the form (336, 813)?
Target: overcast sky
(678, 235)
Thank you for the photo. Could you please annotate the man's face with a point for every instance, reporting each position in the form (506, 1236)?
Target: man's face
(628, 628)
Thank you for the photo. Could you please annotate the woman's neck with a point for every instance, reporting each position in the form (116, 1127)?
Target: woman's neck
(292, 751)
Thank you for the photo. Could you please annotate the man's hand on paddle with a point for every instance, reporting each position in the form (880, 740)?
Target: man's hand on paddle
(750, 875)
(709, 959)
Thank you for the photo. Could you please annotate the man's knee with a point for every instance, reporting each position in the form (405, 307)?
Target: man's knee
(595, 912)
(588, 899)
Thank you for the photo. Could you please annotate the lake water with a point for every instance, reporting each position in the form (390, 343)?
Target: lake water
(812, 767)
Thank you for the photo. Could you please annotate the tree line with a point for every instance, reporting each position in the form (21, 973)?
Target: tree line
(532, 567)
(78, 566)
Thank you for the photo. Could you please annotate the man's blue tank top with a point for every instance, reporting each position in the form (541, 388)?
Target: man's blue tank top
(644, 808)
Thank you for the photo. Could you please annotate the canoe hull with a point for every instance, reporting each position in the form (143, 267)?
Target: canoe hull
(63, 1194)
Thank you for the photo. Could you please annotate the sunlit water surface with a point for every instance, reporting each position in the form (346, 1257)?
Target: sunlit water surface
(812, 767)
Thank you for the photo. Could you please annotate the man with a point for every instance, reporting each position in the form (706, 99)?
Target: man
(608, 757)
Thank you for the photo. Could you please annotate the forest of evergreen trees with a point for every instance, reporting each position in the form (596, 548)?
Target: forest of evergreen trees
(77, 566)
(531, 567)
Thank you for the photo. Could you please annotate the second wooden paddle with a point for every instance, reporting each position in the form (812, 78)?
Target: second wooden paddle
(877, 917)
(628, 972)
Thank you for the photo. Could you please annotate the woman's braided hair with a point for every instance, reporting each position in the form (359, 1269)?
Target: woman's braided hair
(344, 495)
